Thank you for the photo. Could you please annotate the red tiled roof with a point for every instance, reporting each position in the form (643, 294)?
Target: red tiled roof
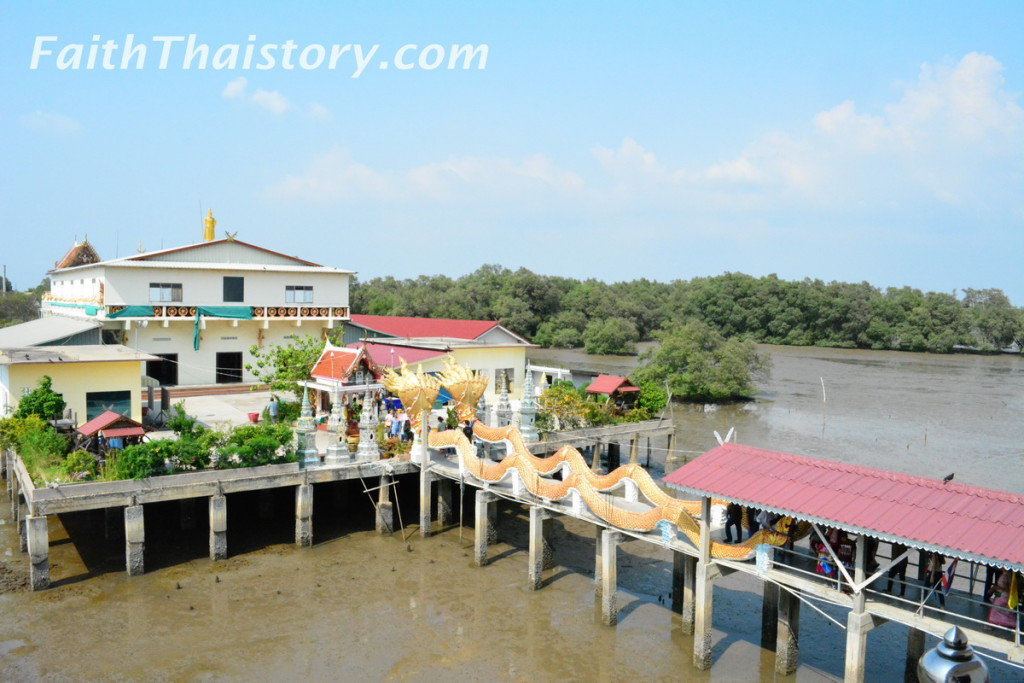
(105, 420)
(607, 384)
(336, 363)
(123, 431)
(423, 327)
(955, 519)
(381, 354)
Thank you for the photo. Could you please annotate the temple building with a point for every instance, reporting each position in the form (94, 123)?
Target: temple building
(199, 308)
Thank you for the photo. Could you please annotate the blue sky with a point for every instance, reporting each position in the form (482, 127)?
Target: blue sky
(879, 142)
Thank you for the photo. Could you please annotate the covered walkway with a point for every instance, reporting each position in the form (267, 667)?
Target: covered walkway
(884, 518)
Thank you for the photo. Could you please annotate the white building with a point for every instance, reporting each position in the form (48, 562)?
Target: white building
(199, 307)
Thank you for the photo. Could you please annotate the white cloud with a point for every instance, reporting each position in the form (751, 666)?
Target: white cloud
(319, 112)
(54, 124)
(235, 89)
(271, 100)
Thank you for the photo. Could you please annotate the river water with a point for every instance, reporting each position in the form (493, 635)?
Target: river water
(358, 606)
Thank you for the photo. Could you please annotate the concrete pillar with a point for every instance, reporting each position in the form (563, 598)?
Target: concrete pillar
(218, 527)
(769, 615)
(787, 647)
(187, 513)
(634, 458)
(857, 626)
(134, 539)
(445, 516)
(485, 502)
(915, 649)
(425, 481)
(304, 514)
(38, 552)
(684, 576)
(610, 540)
(598, 562)
(15, 497)
(540, 547)
(614, 457)
(595, 464)
(703, 592)
(385, 508)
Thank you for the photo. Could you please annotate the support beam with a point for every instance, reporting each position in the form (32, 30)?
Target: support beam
(540, 547)
(38, 552)
(769, 615)
(598, 562)
(134, 540)
(445, 516)
(610, 540)
(385, 508)
(704, 592)
(485, 509)
(634, 456)
(915, 649)
(684, 577)
(857, 626)
(787, 646)
(425, 481)
(218, 527)
(304, 515)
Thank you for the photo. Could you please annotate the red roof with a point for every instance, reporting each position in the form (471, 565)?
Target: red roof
(106, 421)
(955, 519)
(337, 363)
(382, 356)
(607, 384)
(123, 431)
(423, 327)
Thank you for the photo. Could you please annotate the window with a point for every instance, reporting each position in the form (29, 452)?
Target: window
(229, 367)
(234, 289)
(298, 294)
(96, 402)
(165, 291)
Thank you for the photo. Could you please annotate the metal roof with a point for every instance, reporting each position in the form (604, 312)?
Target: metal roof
(970, 522)
(608, 384)
(90, 353)
(108, 421)
(44, 330)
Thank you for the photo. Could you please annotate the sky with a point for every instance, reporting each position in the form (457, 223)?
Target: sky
(872, 141)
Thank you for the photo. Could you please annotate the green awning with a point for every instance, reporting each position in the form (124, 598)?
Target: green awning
(234, 312)
(133, 312)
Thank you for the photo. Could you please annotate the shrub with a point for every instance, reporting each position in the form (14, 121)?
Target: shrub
(42, 401)
(13, 430)
(80, 465)
(137, 462)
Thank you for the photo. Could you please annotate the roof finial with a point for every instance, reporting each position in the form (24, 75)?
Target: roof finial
(209, 226)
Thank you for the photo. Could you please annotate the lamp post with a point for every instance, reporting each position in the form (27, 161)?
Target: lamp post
(952, 660)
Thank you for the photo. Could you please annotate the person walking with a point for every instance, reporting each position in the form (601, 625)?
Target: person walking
(272, 410)
(899, 570)
(733, 518)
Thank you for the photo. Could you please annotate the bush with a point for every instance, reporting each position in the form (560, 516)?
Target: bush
(13, 430)
(43, 453)
(137, 462)
(80, 465)
(42, 401)
(253, 445)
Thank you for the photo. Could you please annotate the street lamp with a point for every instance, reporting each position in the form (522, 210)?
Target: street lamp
(952, 660)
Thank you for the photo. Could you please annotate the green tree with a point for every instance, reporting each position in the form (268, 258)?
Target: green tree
(42, 401)
(610, 336)
(283, 367)
(994, 321)
(699, 364)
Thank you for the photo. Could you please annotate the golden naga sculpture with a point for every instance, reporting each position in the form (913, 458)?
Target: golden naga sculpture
(417, 390)
(465, 385)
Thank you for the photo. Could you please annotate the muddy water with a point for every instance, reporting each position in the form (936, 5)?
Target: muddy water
(361, 607)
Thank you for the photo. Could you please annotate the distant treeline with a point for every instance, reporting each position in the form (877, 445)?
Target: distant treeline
(612, 318)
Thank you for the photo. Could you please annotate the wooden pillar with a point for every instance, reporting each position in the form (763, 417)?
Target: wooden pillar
(304, 515)
(769, 615)
(610, 540)
(134, 540)
(445, 516)
(38, 551)
(787, 647)
(684, 577)
(540, 547)
(915, 648)
(218, 527)
(385, 508)
(485, 505)
(704, 592)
